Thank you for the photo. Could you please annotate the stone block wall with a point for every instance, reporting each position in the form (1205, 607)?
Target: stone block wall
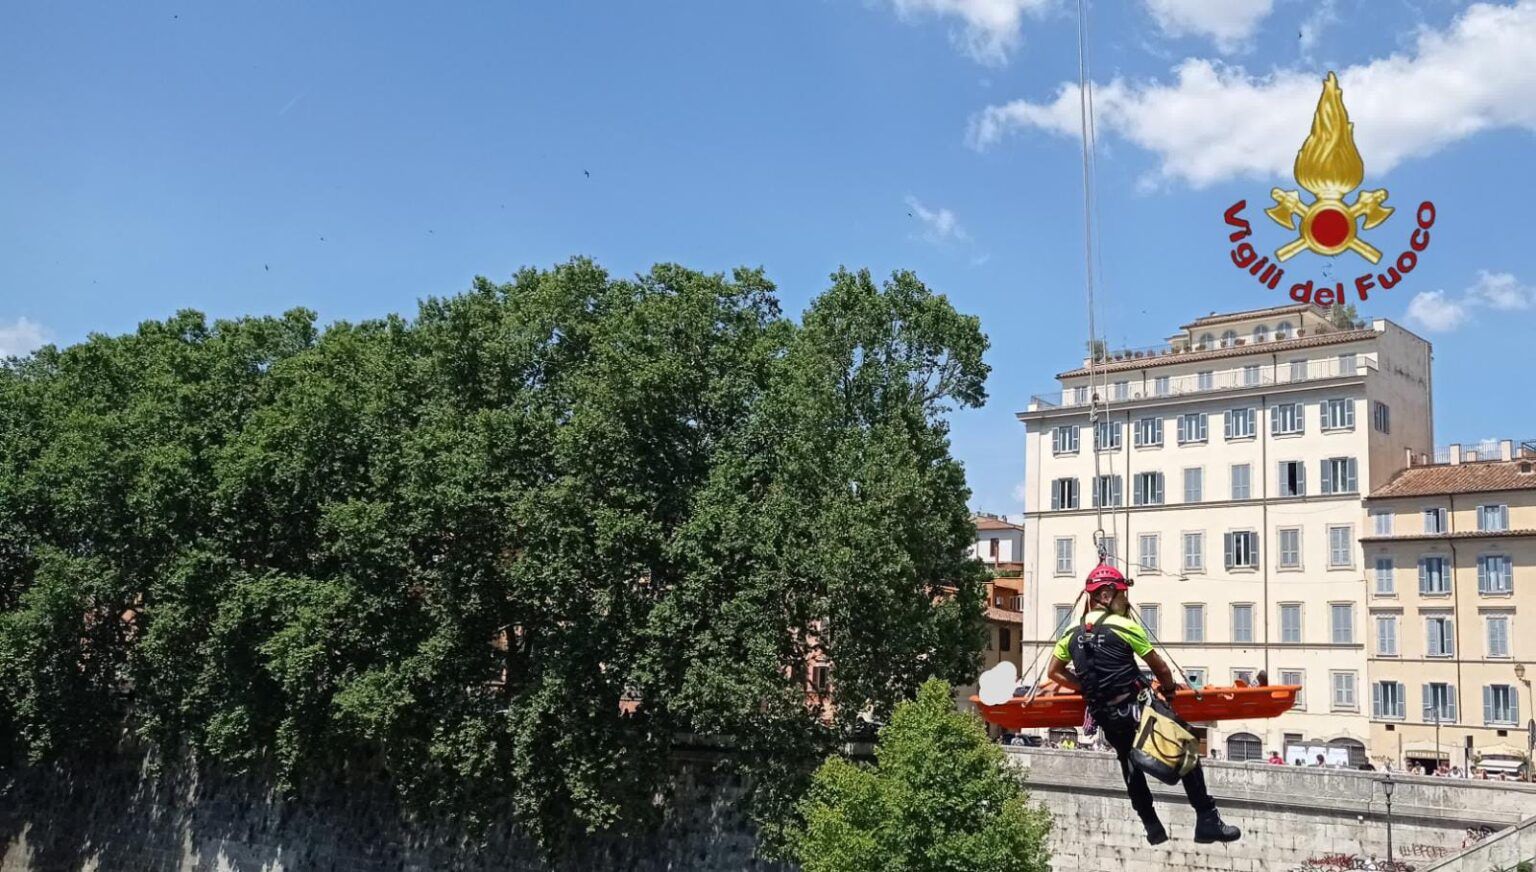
(120, 815)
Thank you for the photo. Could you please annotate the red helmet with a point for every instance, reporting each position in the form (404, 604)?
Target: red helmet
(1103, 575)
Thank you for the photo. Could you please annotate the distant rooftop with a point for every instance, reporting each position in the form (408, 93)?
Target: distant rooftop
(1224, 317)
(1512, 467)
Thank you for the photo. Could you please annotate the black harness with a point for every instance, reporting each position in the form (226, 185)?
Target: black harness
(1105, 664)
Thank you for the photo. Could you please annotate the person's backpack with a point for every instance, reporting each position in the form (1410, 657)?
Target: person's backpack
(1166, 747)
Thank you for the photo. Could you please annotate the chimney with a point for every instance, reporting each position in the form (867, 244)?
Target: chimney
(1506, 449)
(1408, 461)
(1455, 453)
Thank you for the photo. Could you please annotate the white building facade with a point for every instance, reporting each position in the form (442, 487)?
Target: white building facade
(1230, 467)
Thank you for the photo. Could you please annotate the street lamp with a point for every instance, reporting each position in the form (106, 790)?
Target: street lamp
(1530, 727)
(1387, 787)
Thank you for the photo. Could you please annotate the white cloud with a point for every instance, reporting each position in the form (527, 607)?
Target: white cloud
(1432, 311)
(991, 27)
(21, 337)
(1213, 122)
(1020, 491)
(1502, 291)
(1435, 311)
(1228, 22)
(939, 225)
(1323, 14)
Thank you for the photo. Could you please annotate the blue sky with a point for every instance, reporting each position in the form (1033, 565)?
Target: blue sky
(354, 157)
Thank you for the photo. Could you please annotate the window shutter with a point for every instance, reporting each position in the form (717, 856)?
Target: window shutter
(1376, 700)
(1227, 423)
(1429, 704)
(1354, 478)
(1327, 476)
(1423, 576)
(1487, 704)
(1450, 690)
(1227, 543)
(1514, 704)
(1482, 575)
(1253, 549)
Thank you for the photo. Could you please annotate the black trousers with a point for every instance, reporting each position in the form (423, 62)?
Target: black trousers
(1119, 724)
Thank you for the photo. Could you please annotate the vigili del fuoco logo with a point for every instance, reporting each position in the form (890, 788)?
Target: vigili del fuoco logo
(1329, 167)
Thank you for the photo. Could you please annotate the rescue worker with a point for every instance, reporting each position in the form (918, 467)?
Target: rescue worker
(1102, 652)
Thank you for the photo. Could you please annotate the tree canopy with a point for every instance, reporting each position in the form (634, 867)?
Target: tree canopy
(939, 798)
(456, 543)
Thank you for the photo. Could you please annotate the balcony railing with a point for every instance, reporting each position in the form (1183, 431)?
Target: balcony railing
(1217, 381)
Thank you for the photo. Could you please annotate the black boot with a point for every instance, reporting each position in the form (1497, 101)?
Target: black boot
(1156, 835)
(1209, 827)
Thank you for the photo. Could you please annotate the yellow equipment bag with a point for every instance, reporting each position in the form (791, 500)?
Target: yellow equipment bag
(1166, 747)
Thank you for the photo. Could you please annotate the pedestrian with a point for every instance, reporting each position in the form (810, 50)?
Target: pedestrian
(1101, 652)
(1275, 759)
(1320, 761)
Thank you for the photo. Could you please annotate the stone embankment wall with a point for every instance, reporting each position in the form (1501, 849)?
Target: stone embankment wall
(122, 817)
(1291, 817)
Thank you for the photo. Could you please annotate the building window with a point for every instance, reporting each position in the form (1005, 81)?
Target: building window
(1147, 488)
(1434, 520)
(1296, 678)
(1261, 333)
(1205, 380)
(1194, 676)
(1290, 623)
(1386, 635)
(1290, 548)
(1004, 639)
(1160, 387)
(1064, 496)
(1106, 436)
(1250, 375)
(1064, 439)
(1286, 419)
(1108, 490)
(1194, 623)
(1339, 475)
(992, 548)
(1433, 579)
(1439, 636)
(1495, 575)
(1239, 423)
(1342, 618)
(1389, 700)
(1339, 415)
(1349, 364)
(1500, 705)
(1192, 428)
(1064, 548)
(1194, 484)
(1381, 522)
(820, 672)
(1229, 339)
(1242, 549)
(1207, 340)
(1149, 433)
(1386, 585)
(1343, 691)
(1440, 703)
(1283, 330)
(1242, 623)
(1381, 417)
(1152, 619)
(1298, 370)
(1080, 395)
(1341, 547)
(1244, 748)
(1147, 549)
(1242, 487)
(1498, 635)
(1492, 519)
(1063, 618)
(1194, 552)
(1120, 391)
(1293, 478)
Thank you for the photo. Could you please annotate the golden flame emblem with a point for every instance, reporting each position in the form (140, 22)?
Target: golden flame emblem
(1329, 166)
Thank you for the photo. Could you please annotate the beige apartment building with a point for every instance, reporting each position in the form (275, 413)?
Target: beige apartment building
(1231, 466)
(1451, 549)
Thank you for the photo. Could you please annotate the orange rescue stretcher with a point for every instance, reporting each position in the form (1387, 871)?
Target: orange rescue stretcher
(1055, 706)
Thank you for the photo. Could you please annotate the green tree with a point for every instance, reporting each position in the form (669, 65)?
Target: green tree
(455, 543)
(1343, 315)
(939, 797)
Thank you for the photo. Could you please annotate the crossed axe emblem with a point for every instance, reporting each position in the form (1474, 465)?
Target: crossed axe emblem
(1329, 226)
